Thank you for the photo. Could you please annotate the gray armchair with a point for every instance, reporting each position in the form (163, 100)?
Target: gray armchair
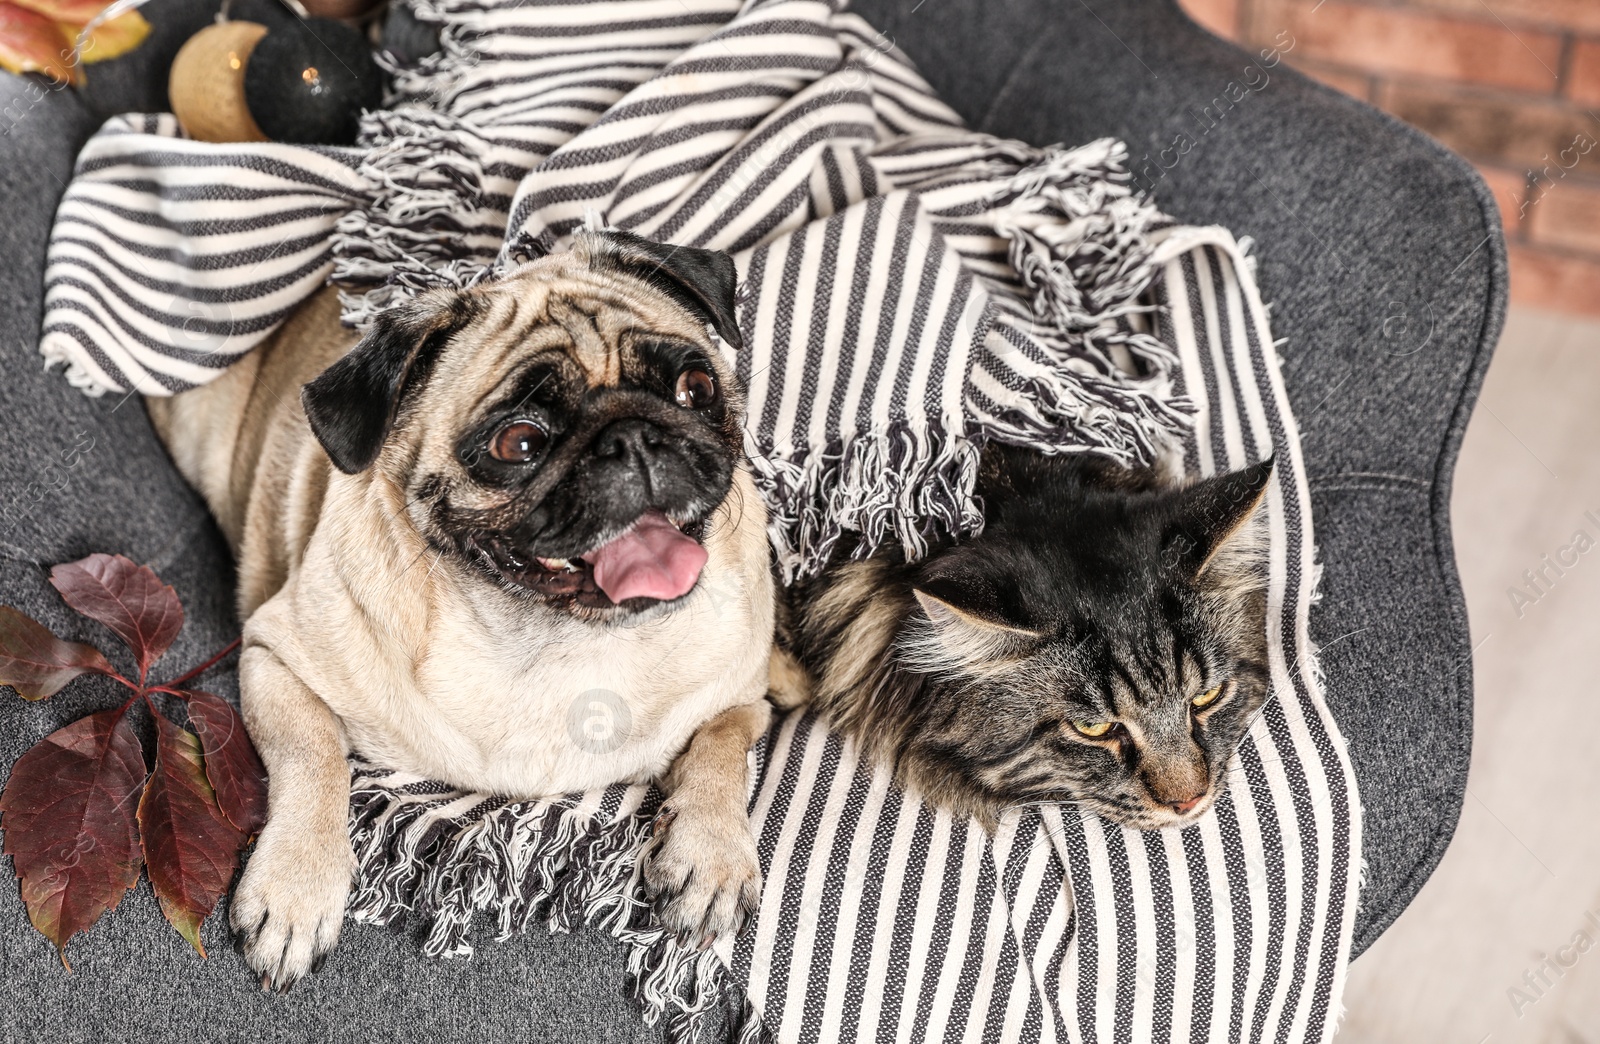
(1379, 250)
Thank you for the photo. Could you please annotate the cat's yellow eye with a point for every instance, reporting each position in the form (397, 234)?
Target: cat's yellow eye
(1207, 698)
(1093, 729)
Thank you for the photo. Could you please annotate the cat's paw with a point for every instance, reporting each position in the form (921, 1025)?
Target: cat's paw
(289, 906)
(701, 867)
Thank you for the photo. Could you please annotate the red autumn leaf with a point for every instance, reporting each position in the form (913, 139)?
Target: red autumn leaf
(126, 597)
(36, 663)
(190, 848)
(68, 814)
(33, 42)
(233, 768)
(74, 12)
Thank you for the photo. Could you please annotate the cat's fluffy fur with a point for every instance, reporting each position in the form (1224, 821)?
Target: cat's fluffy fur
(1095, 595)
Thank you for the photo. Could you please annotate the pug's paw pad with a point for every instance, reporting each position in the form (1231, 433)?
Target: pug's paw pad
(703, 870)
(289, 906)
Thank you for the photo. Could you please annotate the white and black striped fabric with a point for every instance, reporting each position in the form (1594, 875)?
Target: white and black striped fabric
(910, 284)
(886, 920)
(911, 289)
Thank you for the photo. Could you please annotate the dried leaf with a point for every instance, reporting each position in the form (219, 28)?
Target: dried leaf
(111, 39)
(126, 597)
(233, 768)
(190, 848)
(36, 663)
(75, 12)
(32, 42)
(68, 815)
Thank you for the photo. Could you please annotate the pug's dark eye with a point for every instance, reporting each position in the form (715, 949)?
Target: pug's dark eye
(697, 389)
(517, 442)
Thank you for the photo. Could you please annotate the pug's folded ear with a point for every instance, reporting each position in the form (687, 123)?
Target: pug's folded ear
(704, 281)
(352, 404)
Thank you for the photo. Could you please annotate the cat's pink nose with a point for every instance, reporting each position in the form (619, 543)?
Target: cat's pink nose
(1182, 807)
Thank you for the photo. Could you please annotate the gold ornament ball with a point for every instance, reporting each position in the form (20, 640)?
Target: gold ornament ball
(207, 83)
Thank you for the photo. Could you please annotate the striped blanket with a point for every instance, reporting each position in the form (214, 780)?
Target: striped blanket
(886, 920)
(910, 289)
(909, 283)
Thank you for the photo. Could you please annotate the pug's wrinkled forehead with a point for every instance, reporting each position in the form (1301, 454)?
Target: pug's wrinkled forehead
(586, 305)
(702, 281)
(593, 303)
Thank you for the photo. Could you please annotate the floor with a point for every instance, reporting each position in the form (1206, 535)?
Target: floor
(1502, 946)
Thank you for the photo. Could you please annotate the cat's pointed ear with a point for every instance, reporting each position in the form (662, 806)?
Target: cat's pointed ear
(1213, 518)
(964, 628)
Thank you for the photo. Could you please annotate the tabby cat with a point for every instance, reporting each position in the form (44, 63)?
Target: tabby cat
(1102, 643)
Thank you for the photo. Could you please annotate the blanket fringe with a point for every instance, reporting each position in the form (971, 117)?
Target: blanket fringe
(1062, 411)
(554, 862)
(428, 171)
(1079, 238)
(909, 483)
(428, 179)
(1078, 233)
(75, 371)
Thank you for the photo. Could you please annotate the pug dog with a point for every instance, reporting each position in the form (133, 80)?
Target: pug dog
(500, 507)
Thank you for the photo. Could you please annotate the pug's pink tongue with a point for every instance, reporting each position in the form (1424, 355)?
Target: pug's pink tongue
(651, 560)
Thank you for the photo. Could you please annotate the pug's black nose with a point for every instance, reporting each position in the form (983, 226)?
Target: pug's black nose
(634, 437)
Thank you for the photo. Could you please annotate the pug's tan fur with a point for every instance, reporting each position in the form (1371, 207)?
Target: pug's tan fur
(361, 636)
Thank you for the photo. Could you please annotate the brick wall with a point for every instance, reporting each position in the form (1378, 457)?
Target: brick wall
(1513, 85)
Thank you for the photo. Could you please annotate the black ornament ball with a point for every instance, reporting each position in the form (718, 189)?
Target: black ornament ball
(307, 83)
(408, 39)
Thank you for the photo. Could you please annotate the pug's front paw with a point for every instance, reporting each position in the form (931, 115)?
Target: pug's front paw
(702, 868)
(289, 906)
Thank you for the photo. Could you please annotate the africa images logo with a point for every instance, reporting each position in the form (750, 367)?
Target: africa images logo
(1553, 566)
(598, 721)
